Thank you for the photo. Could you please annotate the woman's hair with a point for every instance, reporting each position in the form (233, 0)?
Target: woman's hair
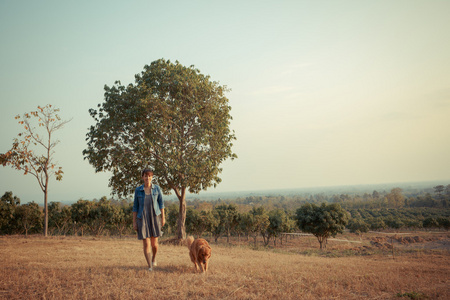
(145, 171)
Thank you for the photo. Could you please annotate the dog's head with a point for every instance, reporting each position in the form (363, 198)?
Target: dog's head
(204, 253)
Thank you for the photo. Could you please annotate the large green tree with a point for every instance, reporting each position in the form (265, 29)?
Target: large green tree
(33, 151)
(322, 221)
(174, 120)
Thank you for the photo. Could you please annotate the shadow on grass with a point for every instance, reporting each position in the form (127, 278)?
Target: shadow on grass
(168, 269)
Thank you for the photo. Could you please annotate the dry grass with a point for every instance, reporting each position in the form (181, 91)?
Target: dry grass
(88, 268)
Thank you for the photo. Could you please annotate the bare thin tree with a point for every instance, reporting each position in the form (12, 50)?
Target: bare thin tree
(32, 151)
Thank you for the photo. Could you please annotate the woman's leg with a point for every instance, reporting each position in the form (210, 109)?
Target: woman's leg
(154, 243)
(147, 251)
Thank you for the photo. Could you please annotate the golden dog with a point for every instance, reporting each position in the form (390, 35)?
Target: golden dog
(200, 252)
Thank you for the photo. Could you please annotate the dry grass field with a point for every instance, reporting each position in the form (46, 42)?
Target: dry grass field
(108, 268)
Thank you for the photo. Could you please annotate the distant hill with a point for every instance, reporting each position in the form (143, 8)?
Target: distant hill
(409, 188)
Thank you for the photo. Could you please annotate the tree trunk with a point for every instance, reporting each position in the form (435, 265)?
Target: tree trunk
(181, 224)
(45, 187)
(321, 240)
(45, 208)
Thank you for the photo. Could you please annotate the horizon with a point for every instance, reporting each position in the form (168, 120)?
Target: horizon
(358, 189)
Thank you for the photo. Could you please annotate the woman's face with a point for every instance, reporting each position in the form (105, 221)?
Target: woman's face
(147, 178)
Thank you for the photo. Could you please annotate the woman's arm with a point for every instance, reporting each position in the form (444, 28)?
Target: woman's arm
(135, 211)
(135, 221)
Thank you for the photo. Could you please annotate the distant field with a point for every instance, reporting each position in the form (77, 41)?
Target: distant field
(107, 268)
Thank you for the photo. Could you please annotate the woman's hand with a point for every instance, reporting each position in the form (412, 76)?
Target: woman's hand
(135, 226)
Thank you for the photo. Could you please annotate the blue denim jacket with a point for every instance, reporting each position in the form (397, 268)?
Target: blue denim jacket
(139, 197)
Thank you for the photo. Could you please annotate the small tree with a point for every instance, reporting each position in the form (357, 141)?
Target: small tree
(245, 224)
(8, 204)
(171, 212)
(208, 221)
(258, 222)
(322, 221)
(240, 228)
(439, 189)
(395, 198)
(59, 217)
(277, 220)
(193, 221)
(358, 226)
(444, 222)
(24, 157)
(199, 222)
(81, 214)
(227, 218)
(217, 229)
(376, 223)
(123, 218)
(430, 222)
(29, 218)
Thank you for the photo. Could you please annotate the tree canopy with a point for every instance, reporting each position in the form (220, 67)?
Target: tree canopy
(174, 120)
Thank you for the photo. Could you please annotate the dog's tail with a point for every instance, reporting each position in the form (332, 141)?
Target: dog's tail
(189, 241)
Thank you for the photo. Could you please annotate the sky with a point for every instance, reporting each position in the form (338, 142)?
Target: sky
(323, 93)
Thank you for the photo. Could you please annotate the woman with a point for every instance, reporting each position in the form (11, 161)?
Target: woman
(148, 215)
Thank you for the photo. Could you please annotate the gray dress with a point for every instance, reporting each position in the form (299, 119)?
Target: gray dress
(150, 224)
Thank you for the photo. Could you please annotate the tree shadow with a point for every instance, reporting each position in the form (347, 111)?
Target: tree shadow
(168, 269)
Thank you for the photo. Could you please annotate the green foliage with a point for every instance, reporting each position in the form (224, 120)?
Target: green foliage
(376, 224)
(227, 216)
(258, 221)
(322, 221)
(444, 222)
(173, 119)
(98, 216)
(430, 222)
(265, 216)
(279, 222)
(29, 218)
(396, 198)
(8, 204)
(357, 225)
(171, 212)
(198, 222)
(59, 217)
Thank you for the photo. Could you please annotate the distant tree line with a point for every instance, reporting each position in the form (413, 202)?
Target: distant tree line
(249, 218)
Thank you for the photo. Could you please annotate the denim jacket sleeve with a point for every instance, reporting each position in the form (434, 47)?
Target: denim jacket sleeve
(160, 199)
(158, 202)
(138, 201)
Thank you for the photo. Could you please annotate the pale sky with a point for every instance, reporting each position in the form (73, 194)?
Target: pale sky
(324, 93)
